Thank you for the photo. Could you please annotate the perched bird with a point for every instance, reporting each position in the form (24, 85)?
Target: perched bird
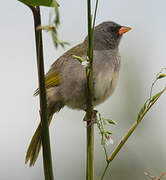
(66, 80)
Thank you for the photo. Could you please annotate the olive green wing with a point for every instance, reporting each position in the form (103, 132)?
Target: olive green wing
(52, 79)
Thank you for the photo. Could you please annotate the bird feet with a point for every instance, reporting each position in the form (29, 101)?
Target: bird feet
(93, 120)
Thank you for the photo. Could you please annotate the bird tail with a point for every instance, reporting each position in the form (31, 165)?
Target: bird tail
(35, 145)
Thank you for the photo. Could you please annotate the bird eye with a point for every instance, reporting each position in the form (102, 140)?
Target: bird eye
(112, 29)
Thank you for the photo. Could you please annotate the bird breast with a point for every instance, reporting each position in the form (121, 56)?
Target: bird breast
(106, 70)
(104, 86)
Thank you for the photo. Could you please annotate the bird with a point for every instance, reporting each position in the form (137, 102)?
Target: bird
(66, 81)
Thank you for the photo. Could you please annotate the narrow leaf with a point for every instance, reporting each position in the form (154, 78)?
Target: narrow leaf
(161, 76)
(107, 132)
(57, 18)
(48, 3)
(78, 58)
(141, 112)
(155, 96)
(109, 121)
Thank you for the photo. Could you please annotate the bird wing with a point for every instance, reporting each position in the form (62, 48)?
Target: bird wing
(60, 63)
(52, 78)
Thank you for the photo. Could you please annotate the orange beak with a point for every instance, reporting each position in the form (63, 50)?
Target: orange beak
(123, 30)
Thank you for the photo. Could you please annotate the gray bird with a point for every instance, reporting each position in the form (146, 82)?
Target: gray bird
(66, 79)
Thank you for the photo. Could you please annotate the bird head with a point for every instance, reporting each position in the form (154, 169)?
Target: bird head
(107, 35)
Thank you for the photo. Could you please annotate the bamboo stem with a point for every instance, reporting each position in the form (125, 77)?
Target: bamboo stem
(90, 153)
(48, 172)
(90, 90)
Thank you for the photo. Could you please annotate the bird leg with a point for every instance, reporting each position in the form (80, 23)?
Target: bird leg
(93, 120)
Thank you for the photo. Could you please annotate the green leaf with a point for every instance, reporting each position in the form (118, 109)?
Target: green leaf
(155, 96)
(80, 59)
(108, 132)
(109, 121)
(57, 18)
(161, 76)
(144, 107)
(141, 111)
(48, 3)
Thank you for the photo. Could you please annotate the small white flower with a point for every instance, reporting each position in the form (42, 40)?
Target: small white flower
(109, 140)
(85, 63)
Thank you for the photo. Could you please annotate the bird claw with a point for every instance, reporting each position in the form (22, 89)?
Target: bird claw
(93, 120)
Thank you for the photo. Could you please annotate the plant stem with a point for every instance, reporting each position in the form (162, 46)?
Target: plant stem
(48, 172)
(90, 152)
(94, 19)
(90, 91)
(104, 171)
(105, 152)
(129, 132)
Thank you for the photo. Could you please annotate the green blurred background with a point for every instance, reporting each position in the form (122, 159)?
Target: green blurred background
(143, 55)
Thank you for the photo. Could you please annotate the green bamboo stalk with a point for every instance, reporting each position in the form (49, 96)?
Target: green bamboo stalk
(90, 95)
(90, 91)
(47, 160)
(90, 152)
